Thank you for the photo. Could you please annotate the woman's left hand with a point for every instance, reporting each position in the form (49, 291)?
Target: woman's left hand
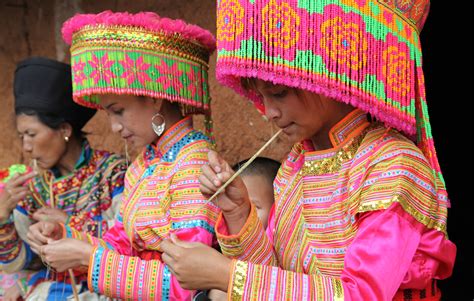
(50, 214)
(66, 253)
(195, 265)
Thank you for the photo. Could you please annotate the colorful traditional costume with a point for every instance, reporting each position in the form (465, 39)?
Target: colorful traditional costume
(365, 219)
(143, 54)
(90, 195)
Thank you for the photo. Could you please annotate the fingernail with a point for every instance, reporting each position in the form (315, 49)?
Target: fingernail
(217, 182)
(217, 168)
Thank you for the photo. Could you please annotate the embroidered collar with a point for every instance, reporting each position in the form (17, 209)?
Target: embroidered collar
(168, 139)
(349, 127)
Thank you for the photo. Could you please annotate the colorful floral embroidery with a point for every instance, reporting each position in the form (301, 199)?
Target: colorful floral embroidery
(135, 70)
(78, 72)
(229, 21)
(169, 75)
(396, 69)
(344, 48)
(101, 68)
(280, 29)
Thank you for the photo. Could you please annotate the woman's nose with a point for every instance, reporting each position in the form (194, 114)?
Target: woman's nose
(116, 126)
(27, 146)
(271, 111)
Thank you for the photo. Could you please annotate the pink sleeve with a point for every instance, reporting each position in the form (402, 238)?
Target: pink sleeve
(386, 240)
(376, 264)
(117, 240)
(114, 239)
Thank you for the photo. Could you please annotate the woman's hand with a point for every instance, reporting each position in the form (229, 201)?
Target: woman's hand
(234, 200)
(195, 265)
(12, 293)
(66, 253)
(50, 214)
(14, 191)
(40, 233)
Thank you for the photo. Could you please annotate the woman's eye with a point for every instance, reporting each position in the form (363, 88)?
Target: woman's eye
(118, 112)
(280, 94)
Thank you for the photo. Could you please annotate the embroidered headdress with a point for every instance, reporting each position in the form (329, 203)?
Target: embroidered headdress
(363, 52)
(139, 54)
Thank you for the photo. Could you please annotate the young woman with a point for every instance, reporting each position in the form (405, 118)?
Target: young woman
(70, 183)
(149, 74)
(360, 208)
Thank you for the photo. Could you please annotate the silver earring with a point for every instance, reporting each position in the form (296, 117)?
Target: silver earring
(158, 128)
(66, 138)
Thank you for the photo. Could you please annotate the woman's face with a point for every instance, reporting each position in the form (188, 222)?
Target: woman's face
(41, 142)
(130, 116)
(301, 114)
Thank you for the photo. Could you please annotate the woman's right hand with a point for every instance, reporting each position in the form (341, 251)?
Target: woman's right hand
(13, 192)
(40, 233)
(234, 200)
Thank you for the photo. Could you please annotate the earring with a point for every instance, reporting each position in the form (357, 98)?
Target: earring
(66, 138)
(158, 128)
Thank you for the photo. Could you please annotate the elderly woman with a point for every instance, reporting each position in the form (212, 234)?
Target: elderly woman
(70, 182)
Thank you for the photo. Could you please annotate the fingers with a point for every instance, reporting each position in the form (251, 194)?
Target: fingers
(18, 193)
(19, 180)
(206, 186)
(215, 161)
(48, 228)
(170, 249)
(35, 238)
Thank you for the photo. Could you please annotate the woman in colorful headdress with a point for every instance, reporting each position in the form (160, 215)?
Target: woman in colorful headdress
(360, 202)
(68, 182)
(149, 74)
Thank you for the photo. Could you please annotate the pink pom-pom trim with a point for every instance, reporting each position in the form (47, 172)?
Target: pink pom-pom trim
(147, 20)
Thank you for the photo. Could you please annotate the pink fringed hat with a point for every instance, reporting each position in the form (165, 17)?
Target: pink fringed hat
(363, 52)
(139, 54)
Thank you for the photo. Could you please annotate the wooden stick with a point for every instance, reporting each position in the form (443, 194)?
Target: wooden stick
(21, 287)
(35, 165)
(238, 172)
(73, 284)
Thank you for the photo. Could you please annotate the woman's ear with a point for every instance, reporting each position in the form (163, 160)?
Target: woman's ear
(66, 130)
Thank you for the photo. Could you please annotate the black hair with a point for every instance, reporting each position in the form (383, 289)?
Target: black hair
(260, 166)
(52, 121)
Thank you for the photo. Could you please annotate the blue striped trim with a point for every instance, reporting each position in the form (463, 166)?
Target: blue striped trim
(193, 224)
(96, 268)
(166, 284)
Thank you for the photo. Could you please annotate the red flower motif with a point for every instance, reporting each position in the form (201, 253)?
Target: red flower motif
(101, 68)
(169, 76)
(192, 86)
(135, 70)
(78, 72)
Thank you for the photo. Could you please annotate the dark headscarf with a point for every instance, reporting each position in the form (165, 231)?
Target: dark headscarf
(44, 86)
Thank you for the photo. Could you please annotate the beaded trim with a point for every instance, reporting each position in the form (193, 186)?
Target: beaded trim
(132, 37)
(238, 282)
